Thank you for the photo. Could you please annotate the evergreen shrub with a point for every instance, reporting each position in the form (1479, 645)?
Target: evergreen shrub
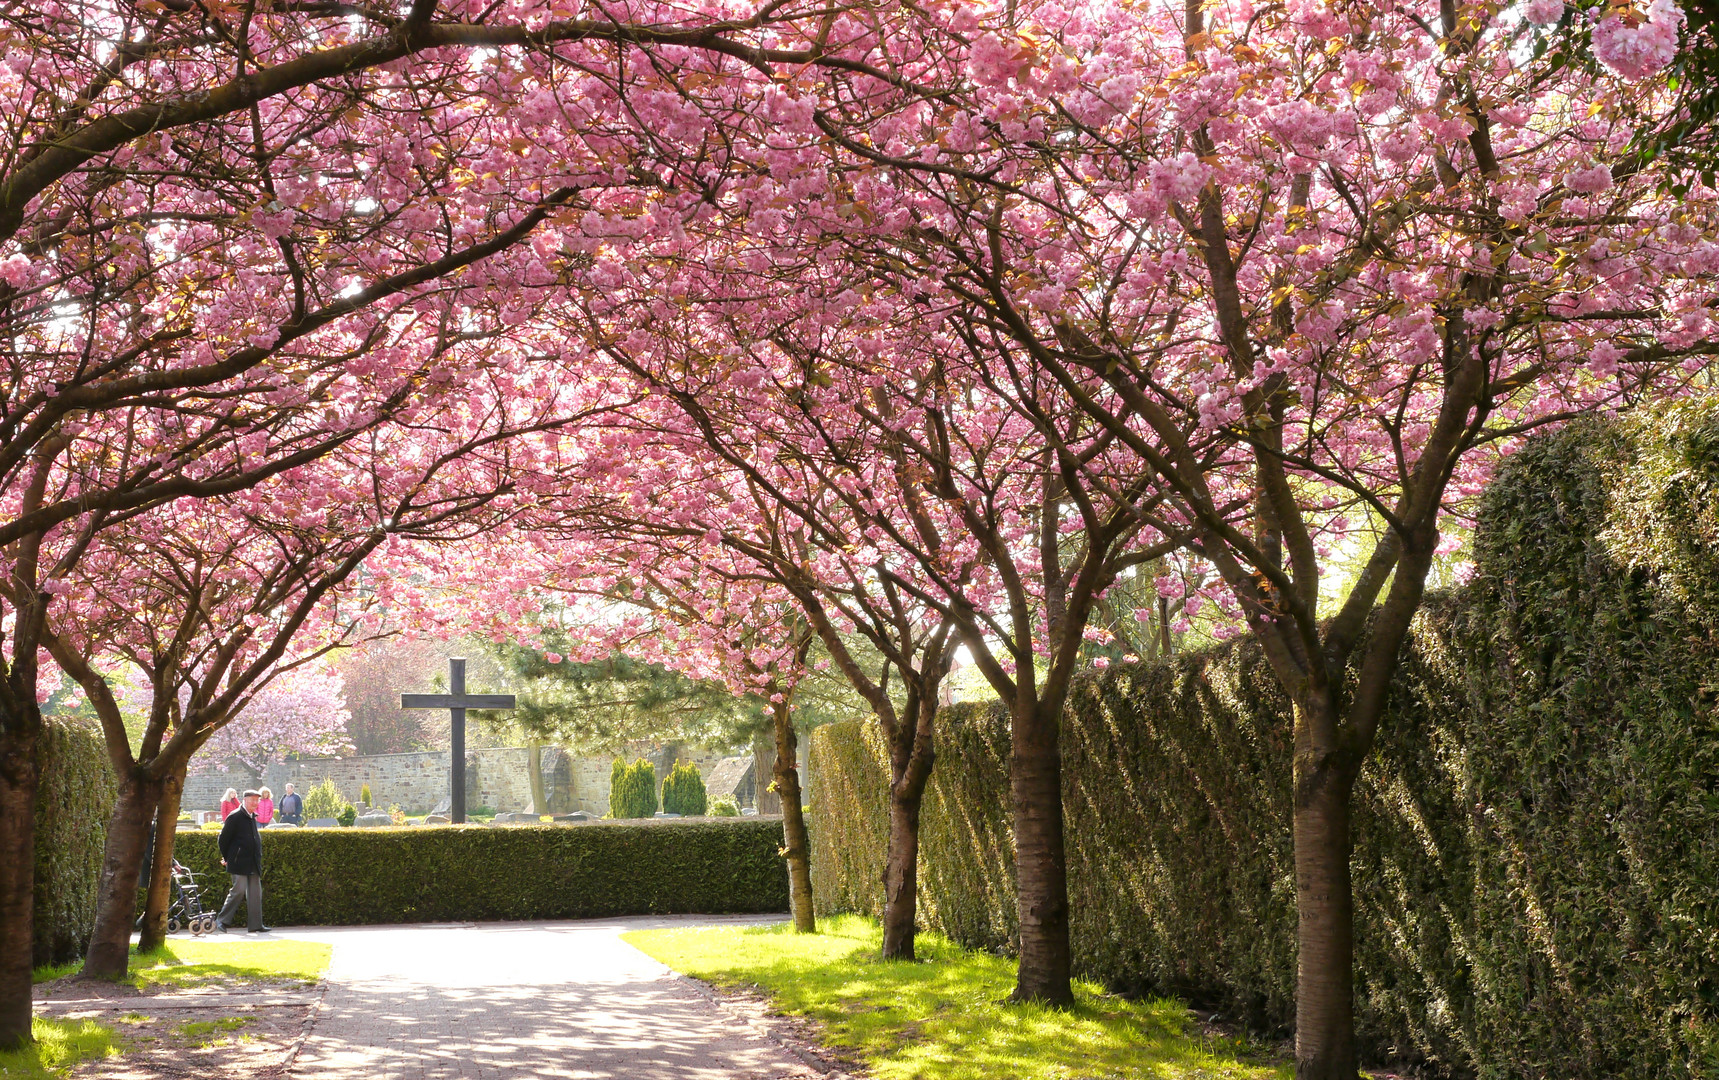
(330, 877)
(633, 790)
(617, 782)
(324, 801)
(683, 790)
(724, 806)
(1536, 834)
(73, 800)
(348, 816)
(364, 794)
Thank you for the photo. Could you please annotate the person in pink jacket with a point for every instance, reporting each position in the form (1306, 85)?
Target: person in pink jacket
(266, 807)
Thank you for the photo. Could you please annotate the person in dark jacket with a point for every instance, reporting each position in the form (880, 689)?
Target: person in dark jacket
(291, 809)
(242, 855)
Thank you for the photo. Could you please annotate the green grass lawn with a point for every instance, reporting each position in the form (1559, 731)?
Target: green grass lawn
(198, 961)
(945, 1017)
(60, 1044)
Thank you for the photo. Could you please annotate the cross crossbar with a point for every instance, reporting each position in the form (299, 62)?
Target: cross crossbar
(456, 701)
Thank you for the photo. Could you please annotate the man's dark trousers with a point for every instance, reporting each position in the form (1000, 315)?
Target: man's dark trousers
(242, 847)
(248, 887)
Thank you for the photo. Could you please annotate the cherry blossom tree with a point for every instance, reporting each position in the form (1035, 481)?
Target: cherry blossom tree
(603, 593)
(667, 496)
(1266, 284)
(873, 467)
(216, 220)
(300, 712)
(215, 598)
(1315, 267)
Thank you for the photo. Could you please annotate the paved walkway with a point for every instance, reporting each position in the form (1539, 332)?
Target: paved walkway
(509, 1001)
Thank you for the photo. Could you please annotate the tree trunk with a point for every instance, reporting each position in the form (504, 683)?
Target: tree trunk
(20, 766)
(911, 757)
(1325, 981)
(539, 800)
(160, 884)
(122, 859)
(797, 848)
(1041, 865)
(901, 871)
(763, 771)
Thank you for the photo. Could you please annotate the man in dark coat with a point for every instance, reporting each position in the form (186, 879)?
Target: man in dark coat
(291, 809)
(242, 855)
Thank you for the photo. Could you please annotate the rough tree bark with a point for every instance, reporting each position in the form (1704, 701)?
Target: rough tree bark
(1035, 782)
(122, 861)
(1325, 1047)
(911, 759)
(763, 772)
(156, 900)
(21, 770)
(797, 848)
(19, 775)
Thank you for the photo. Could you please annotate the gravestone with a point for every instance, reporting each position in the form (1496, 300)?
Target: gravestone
(442, 807)
(438, 819)
(373, 821)
(577, 815)
(557, 780)
(322, 823)
(516, 819)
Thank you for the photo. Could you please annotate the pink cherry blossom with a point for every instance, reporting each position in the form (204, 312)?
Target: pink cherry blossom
(1637, 47)
(1543, 12)
(1589, 181)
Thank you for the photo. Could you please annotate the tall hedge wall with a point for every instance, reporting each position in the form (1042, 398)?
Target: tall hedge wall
(72, 806)
(1537, 835)
(333, 877)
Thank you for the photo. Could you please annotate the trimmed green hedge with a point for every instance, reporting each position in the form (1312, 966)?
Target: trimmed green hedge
(336, 877)
(73, 802)
(1537, 835)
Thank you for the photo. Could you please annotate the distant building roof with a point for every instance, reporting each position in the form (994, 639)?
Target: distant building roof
(731, 776)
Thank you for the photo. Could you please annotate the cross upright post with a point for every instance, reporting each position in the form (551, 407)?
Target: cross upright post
(457, 701)
(457, 743)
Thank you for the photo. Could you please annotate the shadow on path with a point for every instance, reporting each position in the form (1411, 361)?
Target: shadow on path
(502, 1001)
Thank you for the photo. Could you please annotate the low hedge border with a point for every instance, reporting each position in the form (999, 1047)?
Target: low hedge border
(341, 877)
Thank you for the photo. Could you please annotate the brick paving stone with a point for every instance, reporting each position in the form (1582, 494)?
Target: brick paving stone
(511, 1001)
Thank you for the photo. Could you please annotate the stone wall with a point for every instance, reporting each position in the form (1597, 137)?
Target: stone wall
(417, 782)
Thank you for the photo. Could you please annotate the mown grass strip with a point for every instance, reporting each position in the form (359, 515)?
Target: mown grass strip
(60, 1044)
(945, 1017)
(199, 961)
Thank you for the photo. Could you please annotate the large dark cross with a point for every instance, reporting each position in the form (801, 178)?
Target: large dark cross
(457, 701)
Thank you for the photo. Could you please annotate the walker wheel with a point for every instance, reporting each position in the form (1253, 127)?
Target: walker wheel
(172, 926)
(206, 924)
